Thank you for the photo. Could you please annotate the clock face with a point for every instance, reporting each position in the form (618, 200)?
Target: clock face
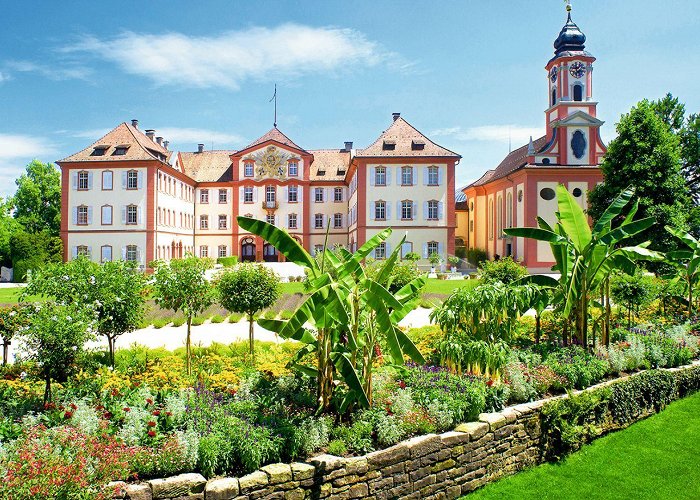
(553, 74)
(577, 69)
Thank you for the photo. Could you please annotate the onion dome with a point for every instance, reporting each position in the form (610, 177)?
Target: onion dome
(570, 38)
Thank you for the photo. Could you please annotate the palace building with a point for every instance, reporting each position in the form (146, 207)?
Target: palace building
(521, 187)
(128, 196)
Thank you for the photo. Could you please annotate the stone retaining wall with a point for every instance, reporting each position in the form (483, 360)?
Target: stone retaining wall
(443, 466)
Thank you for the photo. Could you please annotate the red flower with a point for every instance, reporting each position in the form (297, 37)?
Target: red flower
(489, 382)
(49, 406)
(151, 424)
(68, 414)
(169, 413)
(107, 415)
(151, 433)
(156, 413)
(99, 407)
(149, 401)
(72, 405)
(115, 392)
(402, 384)
(126, 409)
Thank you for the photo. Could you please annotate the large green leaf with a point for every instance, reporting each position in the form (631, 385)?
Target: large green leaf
(343, 364)
(539, 279)
(627, 231)
(281, 240)
(535, 234)
(388, 266)
(573, 219)
(408, 347)
(615, 209)
(686, 238)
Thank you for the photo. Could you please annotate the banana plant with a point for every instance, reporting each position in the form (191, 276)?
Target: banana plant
(687, 262)
(584, 256)
(344, 317)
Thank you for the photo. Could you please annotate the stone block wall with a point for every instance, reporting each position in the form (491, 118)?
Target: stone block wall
(434, 466)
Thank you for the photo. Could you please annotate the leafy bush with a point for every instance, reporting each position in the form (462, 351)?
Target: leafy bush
(476, 256)
(235, 317)
(580, 368)
(178, 321)
(217, 318)
(198, 320)
(160, 323)
(337, 447)
(505, 270)
(227, 261)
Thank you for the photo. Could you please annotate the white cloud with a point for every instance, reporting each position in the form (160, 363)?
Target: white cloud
(54, 72)
(228, 59)
(4, 77)
(517, 134)
(16, 151)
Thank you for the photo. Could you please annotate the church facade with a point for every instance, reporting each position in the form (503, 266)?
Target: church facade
(521, 187)
(127, 196)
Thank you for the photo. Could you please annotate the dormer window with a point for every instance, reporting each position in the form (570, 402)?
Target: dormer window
(418, 145)
(340, 172)
(120, 150)
(321, 173)
(389, 146)
(99, 151)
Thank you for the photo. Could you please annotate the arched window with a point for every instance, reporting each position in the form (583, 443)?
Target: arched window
(490, 220)
(499, 217)
(509, 210)
(554, 96)
(578, 92)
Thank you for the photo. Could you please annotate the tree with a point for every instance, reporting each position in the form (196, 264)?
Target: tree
(646, 155)
(8, 227)
(181, 285)
(32, 251)
(12, 319)
(631, 290)
(114, 290)
(37, 201)
(345, 317)
(55, 337)
(585, 257)
(248, 289)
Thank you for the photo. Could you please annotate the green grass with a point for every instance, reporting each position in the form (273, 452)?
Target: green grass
(446, 287)
(293, 287)
(11, 296)
(656, 458)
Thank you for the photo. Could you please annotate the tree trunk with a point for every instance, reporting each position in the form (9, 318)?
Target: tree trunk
(608, 312)
(110, 342)
(47, 389)
(5, 352)
(690, 299)
(187, 346)
(537, 328)
(629, 317)
(566, 331)
(251, 339)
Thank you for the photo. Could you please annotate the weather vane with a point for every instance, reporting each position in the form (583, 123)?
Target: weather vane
(568, 5)
(274, 98)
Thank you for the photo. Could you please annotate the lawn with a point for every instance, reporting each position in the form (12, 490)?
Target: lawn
(11, 295)
(653, 459)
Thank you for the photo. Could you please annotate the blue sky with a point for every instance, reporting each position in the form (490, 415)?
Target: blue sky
(467, 73)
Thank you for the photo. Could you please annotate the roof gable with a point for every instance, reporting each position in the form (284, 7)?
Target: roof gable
(406, 141)
(275, 135)
(578, 118)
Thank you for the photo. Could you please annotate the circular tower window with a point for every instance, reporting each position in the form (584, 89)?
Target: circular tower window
(547, 194)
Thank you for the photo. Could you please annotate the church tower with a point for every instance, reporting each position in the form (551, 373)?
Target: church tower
(572, 127)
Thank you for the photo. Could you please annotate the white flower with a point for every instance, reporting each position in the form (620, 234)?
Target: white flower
(23, 375)
(66, 277)
(12, 313)
(75, 347)
(92, 280)
(69, 318)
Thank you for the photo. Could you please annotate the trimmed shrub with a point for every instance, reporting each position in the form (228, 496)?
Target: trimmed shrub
(227, 261)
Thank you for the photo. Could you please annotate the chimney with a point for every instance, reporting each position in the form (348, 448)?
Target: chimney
(159, 140)
(348, 146)
(200, 148)
(135, 123)
(395, 116)
(150, 133)
(165, 144)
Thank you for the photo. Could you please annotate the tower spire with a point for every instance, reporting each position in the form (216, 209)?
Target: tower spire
(274, 98)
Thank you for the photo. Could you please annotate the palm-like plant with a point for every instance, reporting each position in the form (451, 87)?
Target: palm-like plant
(687, 262)
(587, 256)
(345, 315)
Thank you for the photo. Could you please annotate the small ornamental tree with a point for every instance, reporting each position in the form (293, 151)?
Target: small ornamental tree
(631, 291)
(115, 290)
(12, 319)
(412, 257)
(182, 286)
(248, 289)
(55, 337)
(435, 259)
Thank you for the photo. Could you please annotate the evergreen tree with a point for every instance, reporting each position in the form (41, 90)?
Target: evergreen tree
(646, 155)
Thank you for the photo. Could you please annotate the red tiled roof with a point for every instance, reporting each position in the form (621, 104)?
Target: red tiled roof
(274, 135)
(334, 162)
(140, 147)
(513, 161)
(402, 134)
(207, 166)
